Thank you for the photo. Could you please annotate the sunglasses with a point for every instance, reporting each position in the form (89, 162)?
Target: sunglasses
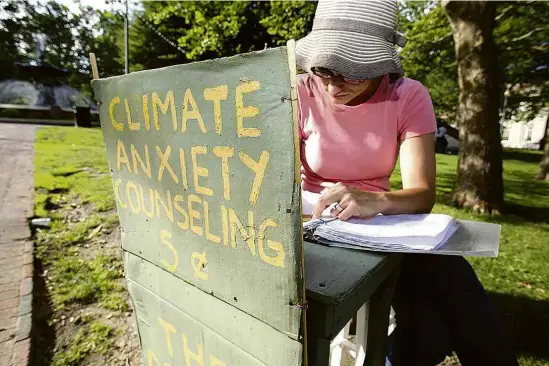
(329, 74)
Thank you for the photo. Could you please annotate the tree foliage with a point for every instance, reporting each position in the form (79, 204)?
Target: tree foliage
(521, 35)
(11, 29)
(70, 37)
(164, 33)
(210, 29)
(429, 54)
(289, 20)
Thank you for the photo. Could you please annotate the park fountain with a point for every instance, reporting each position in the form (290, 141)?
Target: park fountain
(39, 93)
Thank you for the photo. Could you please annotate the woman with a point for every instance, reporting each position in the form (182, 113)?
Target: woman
(357, 116)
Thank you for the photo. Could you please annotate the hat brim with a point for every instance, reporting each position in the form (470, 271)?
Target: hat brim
(354, 55)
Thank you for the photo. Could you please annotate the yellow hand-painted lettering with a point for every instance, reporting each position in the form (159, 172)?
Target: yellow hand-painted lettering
(194, 113)
(184, 225)
(165, 237)
(216, 95)
(183, 165)
(258, 168)
(225, 225)
(122, 156)
(278, 259)
(194, 214)
(145, 164)
(135, 205)
(146, 115)
(165, 164)
(199, 262)
(168, 331)
(133, 126)
(168, 103)
(246, 112)
(117, 183)
(159, 202)
(247, 235)
(148, 212)
(199, 171)
(225, 152)
(150, 357)
(197, 357)
(117, 125)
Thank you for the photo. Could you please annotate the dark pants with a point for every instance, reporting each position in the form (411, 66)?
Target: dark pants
(440, 307)
(441, 144)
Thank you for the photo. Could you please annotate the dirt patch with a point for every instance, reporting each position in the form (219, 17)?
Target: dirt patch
(124, 348)
(85, 330)
(102, 240)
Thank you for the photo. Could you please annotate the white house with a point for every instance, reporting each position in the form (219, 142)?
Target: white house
(524, 135)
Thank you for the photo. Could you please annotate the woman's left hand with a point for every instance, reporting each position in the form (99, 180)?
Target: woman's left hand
(351, 202)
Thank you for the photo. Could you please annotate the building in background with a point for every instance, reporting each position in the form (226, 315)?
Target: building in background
(525, 135)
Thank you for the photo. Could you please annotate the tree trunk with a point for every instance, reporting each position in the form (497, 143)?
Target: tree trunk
(479, 183)
(544, 165)
(543, 141)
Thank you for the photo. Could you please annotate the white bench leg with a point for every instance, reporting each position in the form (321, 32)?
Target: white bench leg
(338, 344)
(361, 334)
(392, 322)
(358, 349)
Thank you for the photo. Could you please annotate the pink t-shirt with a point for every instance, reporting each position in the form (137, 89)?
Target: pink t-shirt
(358, 145)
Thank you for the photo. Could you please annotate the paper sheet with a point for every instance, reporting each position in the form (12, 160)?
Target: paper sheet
(381, 233)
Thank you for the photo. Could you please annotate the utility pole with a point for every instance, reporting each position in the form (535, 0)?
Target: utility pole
(126, 43)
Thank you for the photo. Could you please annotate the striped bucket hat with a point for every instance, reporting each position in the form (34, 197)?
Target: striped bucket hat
(355, 38)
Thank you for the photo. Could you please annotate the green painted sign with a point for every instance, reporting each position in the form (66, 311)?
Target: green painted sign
(204, 163)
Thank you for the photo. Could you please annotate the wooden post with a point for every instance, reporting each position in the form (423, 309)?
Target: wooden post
(93, 62)
(290, 46)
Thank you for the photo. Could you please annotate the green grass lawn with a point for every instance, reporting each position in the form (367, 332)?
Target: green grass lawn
(72, 162)
(71, 175)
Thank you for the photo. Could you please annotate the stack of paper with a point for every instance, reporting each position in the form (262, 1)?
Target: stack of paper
(391, 233)
(394, 233)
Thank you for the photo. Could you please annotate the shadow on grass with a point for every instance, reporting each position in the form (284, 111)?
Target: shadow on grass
(523, 195)
(527, 321)
(527, 213)
(43, 334)
(445, 187)
(526, 156)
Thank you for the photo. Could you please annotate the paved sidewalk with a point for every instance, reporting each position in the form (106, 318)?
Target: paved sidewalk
(16, 257)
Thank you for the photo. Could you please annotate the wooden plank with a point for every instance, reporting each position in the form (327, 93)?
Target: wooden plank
(297, 173)
(367, 286)
(333, 274)
(267, 345)
(203, 163)
(93, 63)
(171, 337)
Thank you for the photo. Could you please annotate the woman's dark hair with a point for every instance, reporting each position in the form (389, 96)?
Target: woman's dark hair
(394, 77)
